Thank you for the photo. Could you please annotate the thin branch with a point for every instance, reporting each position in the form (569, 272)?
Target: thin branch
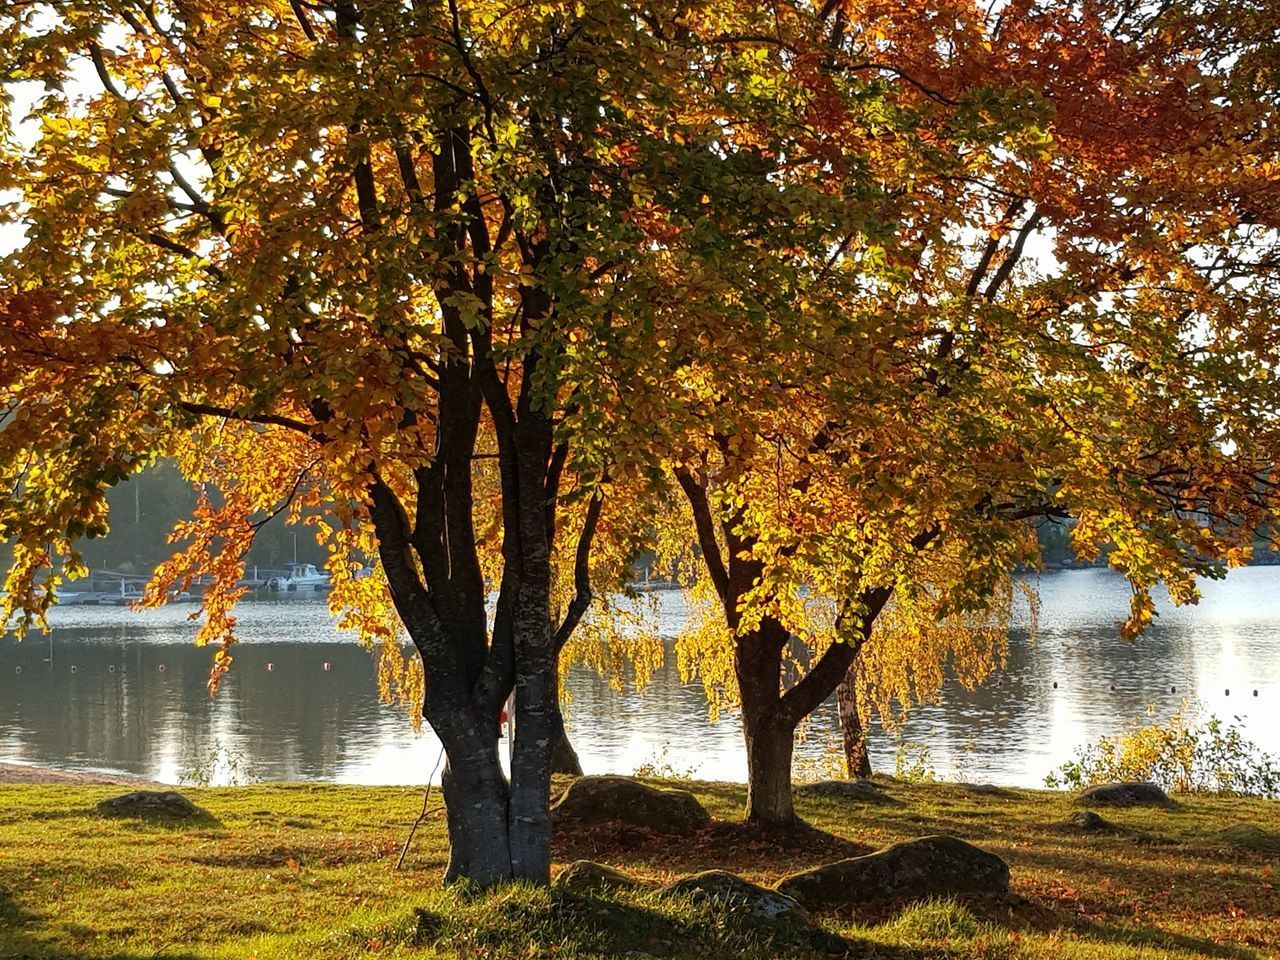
(228, 413)
(582, 595)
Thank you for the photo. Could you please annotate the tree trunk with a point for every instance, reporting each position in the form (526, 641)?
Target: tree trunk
(476, 809)
(539, 724)
(853, 732)
(564, 759)
(769, 747)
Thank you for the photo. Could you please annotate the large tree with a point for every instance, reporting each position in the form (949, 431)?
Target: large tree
(1067, 310)
(377, 258)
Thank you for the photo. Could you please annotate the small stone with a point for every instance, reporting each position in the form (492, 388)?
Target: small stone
(1125, 795)
(927, 867)
(1090, 822)
(592, 801)
(731, 892)
(150, 803)
(587, 876)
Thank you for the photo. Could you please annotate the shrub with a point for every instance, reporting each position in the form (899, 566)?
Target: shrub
(1180, 754)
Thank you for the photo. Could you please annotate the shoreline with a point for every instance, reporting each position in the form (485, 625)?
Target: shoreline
(34, 773)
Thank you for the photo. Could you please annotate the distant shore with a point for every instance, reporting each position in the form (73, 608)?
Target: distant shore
(34, 773)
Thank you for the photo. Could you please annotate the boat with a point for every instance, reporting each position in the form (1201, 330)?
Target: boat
(132, 593)
(300, 576)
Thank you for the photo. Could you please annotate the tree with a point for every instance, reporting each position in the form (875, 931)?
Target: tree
(375, 258)
(875, 465)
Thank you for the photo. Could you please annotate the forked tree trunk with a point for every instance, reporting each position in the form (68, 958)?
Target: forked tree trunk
(853, 732)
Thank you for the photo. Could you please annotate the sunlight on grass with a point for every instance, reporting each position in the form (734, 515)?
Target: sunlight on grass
(292, 872)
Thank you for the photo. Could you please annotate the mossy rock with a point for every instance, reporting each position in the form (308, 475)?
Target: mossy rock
(986, 789)
(1086, 821)
(864, 791)
(587, 876)
(936, 866)
(1124, 795)
(1247, 836)
(593, 801)
(729, 891)
(152, 805)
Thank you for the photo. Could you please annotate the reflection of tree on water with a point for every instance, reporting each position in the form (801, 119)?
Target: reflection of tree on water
(301, 721)
(143, 707)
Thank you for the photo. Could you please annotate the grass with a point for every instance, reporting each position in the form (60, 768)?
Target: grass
(288, 872)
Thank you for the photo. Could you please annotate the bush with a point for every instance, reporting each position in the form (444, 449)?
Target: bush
(1181, 755)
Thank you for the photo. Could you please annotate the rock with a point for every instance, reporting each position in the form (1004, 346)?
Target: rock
(1125, 795)
(1246, 836)
(590, 801)
(731, 892)
(587, 876)
(864, 790)
(986, 789)
(151, 803)
(927, 867)
(1090, 822)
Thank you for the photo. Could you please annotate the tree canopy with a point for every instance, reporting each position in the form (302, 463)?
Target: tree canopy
(872, 282)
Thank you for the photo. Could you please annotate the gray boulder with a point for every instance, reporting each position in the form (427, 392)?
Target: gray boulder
(591, 801)
(915, 869)
(1124, 795)
(731, 892)
(151, 803)
(587, 876)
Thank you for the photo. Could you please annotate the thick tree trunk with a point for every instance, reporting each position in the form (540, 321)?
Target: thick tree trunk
(539, 724)
(537, 729)
(853, 731)
(770, 743)
(476, 807)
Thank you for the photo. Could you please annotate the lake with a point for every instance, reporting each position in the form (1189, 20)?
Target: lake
(114, 690)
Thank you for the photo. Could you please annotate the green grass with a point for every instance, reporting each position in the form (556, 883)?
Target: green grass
(288, 872)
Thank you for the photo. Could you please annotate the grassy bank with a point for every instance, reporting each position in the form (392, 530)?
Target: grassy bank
(301, 871)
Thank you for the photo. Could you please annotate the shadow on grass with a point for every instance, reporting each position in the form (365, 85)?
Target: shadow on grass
(1025, 915)
(19, 940)
(737, 847)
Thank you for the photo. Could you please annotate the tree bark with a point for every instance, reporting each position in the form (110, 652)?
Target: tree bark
(564, 759)
(853, 732)
(768, 728)
(770, 743)
(476, 808)
(538, 718)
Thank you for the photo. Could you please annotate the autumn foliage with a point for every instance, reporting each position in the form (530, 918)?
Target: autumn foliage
(846, 293)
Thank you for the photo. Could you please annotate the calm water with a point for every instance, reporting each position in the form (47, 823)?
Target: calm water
(116, 690)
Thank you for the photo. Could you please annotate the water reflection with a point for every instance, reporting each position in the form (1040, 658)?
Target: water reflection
(115, 690)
